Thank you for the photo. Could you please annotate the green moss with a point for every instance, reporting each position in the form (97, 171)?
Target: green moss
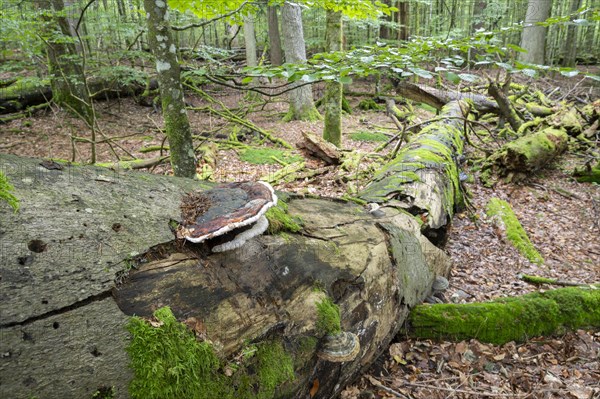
(6, 194)
(280, 220)
(262, 156)
(170, 363)
(363, 135)
(369, 104)
(509, 319)
(537, 280)
(514, 230)
(328, 317)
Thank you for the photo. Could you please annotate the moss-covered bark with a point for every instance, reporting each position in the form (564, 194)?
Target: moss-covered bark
(508, 319)
(177, 125)
(332, 101)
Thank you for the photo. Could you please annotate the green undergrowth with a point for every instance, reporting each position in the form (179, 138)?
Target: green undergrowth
(170, 363)
(509, 319)
(268, 156)
(363, 135)
(281, 221)
(328, 317)
(515, 233)
(370, 104)
(6, 193)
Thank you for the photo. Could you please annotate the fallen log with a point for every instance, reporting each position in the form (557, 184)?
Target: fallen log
(438, 98)
(527, 154)
(319, 148)
(20, 96)
(423, 178)
(90, 248)
(508, 319)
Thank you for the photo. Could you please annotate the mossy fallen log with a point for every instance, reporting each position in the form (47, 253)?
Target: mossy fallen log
(90, 263)
(526, 154)
(21, 95)
(509, 319)
(588, 174)
(423, 178)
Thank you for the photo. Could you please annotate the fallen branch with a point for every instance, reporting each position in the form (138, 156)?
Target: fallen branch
(536, 280)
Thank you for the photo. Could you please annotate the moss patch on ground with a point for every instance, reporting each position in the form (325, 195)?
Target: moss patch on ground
(169, 362)
(281, 221)
(328, 317)
(368, 136)
(515, 233)
(6, 192)
(268, 156)
(509, 319)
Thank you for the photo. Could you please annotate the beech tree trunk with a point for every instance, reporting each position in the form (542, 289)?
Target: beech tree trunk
(302, 106)
(250, 41)
(90, 247)
(275, 51)
(570, 46)
(332, 100)
(177, 125)
(533, 38)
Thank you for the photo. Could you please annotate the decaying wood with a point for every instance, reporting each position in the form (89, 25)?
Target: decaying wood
(18, 97)
(68, 287)
(505, 107)
(528, 153)
(509, 319)
(423, 177)
(320, 148)
(438, 98)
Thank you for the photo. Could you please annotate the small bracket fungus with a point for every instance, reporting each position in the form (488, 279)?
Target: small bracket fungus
(236, 208)
(342, 347)
(440, 285)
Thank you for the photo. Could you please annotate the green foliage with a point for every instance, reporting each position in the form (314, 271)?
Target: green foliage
(509, 319)
(514, 230)
(281, 221)
(170, 363)
(364, 135)
(266, 155)
(328, 317)
(5, 192)
(370, 104)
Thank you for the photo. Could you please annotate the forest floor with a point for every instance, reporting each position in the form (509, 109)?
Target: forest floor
(561, 216)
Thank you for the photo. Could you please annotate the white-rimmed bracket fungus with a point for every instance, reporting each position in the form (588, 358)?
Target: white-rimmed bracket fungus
(232, 211)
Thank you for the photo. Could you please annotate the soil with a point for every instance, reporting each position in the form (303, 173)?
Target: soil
(561, 216)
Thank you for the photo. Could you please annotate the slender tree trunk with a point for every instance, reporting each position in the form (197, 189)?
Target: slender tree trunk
(232, 36)
(403, 14)
(302, 106)
(177, 125)
(385, 31)
(275, 51)
(65, 64)
(332, 101)
(250, 40)
(570, 47)
(533, 38)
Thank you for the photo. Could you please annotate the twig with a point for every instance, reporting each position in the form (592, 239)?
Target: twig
(210, 21)
(378, 384)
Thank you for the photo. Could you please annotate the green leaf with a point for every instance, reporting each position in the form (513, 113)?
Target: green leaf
(247, 80)
(516, 48)
(345, 80)
(569, 72)
(421, 72)
(532, 73)
(594, 77)
(454, 78)
(467, 77)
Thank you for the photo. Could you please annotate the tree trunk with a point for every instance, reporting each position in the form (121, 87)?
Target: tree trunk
(403, 18)
(385, 31)
(68, 290)
(177, 125)
(275, 51)
(508, 319)
(332, 101)
(570, 46)
(533, 38)
(302, 106)
(250, 41)
(65, 65)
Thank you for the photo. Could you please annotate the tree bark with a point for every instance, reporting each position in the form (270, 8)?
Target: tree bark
(65, 65)
(275, 51)
(332, 101)
(250, 41)
(177, 125)
(533, 38)
(538, 314)
(302, 106)
(69, 289)
(403, 18)
(570, 46)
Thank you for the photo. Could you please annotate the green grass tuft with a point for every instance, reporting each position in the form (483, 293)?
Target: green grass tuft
(5, 193)
(281, 221)
(267, 156)
(368, 136)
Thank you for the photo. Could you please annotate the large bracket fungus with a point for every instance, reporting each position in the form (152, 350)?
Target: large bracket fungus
(228, 209)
